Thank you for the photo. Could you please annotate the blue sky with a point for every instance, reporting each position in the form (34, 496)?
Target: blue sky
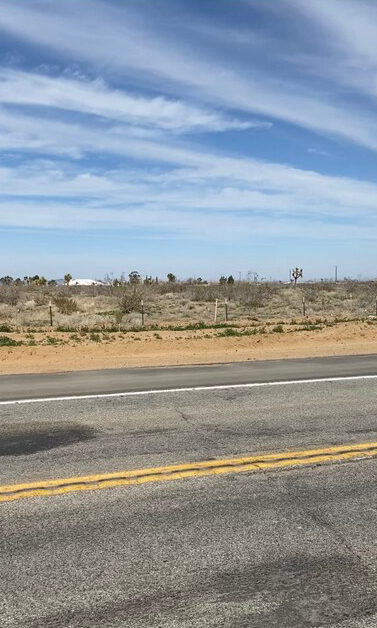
(202, 137)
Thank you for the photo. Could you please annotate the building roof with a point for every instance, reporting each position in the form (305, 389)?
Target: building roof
(85, 282)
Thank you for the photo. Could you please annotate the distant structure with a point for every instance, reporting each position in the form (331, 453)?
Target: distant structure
(86, 282)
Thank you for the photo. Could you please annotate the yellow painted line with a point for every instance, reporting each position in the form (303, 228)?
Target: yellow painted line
(279, 460)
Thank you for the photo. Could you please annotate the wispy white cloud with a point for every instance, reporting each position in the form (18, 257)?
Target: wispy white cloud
(168, 223)
(162, 178)
(348, 29)
(318, 151)
(215, 198)
(96, 98)
(240, 85)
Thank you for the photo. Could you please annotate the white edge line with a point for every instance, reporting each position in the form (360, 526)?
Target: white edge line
(138, 393)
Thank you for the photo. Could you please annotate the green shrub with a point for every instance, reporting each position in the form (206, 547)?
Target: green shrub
(5, 341)
(230, 331)
(50, 340)
(278, 329)
(6, 329)
(310, 328)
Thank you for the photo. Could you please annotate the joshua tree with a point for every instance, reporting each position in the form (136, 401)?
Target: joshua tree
(222, 280)
(171, 278)
(134, 277)
(296, 274)
(67, 278)
(230, 279)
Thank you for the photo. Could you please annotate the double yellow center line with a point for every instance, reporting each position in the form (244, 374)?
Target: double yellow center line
(254, 463)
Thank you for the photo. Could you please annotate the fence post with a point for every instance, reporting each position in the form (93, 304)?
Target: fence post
(226, 310)
(215, 319)
(303, 306)
(142, 312)
(50, 309)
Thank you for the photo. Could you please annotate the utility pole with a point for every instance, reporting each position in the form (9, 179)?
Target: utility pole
(336, 274)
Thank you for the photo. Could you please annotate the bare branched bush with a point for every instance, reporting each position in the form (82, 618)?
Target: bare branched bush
(169, 287)
(254, 295)
(41, 299)
(9, 294)
(66, 305)
(130, 300)
(311, 293)
(325, 286)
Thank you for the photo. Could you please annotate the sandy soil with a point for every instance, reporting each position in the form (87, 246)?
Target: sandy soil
(176, 348)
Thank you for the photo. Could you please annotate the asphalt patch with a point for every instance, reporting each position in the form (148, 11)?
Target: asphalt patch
(301, 592)
(24, 441)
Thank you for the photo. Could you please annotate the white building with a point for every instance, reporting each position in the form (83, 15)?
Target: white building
(85, 282)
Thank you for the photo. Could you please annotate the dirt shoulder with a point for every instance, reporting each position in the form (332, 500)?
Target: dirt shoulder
(54, 352)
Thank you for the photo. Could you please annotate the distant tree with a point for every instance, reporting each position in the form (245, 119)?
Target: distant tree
(6, 280)
(134, 277)
(42, 281)
(109, 279)
(67, 278)
(52, 282)
(171, 278)
(199, 280)
(222, 280)
(230, 279)
(296, 274)
(251, 275)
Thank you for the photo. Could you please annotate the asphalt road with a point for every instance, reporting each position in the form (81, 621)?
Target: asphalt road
(123, 380)
(287, 548)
